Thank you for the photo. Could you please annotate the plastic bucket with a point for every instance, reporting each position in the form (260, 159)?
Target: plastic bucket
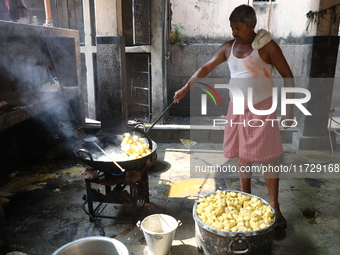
(159, 231)
(93, 245)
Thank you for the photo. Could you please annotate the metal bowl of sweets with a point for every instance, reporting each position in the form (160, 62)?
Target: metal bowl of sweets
(233, 222)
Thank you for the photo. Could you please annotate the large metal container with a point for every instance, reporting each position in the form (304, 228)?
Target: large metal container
(211, 241)
(93, 245)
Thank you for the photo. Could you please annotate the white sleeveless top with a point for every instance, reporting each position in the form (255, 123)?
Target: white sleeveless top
(251, 71)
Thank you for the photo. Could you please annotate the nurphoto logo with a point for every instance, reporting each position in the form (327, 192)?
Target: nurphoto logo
(239, 103)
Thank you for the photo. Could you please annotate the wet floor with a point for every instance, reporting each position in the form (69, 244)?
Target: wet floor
(45, 204)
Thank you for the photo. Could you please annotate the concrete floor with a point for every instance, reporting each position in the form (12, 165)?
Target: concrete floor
(43, 203)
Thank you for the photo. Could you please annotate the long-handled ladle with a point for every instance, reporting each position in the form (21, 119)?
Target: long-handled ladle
(93, 139)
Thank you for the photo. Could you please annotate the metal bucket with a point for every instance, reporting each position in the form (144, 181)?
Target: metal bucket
(212, 241)
(93, 245)
(159, 231)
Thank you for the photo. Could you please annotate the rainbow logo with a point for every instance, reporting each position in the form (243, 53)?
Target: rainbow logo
(211, 92)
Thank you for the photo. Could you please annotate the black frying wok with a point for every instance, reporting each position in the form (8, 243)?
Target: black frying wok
(90, 152)
(92, 156)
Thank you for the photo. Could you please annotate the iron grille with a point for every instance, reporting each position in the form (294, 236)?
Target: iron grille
(75, 18)
(138, 78)
(141, 22)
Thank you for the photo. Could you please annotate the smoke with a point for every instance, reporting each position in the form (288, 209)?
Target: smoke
(28, 66)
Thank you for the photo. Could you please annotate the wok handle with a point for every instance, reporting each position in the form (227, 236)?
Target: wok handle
(167, 109)
(80, 151)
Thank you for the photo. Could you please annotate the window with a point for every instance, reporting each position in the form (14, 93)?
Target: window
(141, 21)
(137, 22)
(75, 18)
(139, 85)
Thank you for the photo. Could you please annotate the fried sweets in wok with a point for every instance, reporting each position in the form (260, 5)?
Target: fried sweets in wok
(134, 146)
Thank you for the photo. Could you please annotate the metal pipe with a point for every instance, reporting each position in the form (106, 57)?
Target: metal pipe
(48, 14)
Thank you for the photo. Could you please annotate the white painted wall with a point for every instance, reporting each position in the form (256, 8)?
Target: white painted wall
(106, 18)
(210, 18)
